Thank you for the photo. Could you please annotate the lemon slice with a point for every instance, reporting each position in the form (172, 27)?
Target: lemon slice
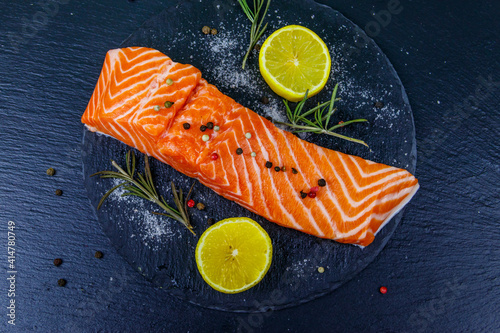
(234, 254)
(294, 59)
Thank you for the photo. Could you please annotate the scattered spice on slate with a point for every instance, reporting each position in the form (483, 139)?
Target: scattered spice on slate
(269, 118)
(203, 128)
(341, 122)
(186, 126)
(257, 47)
(190, 203)
(210, 221)
(170, 82)
(205, 138)
(239, 151)
(51, 171)
(383, 290)
(205, 30)
(214, 156)
(303, 194)
(57, 262)
(216, 128)
(277, 168)
(312, 195)
(61, 282)
(253, 154)
(378, 105)
(200, 206)
(283, 169)
(58, 192)
(294, 171)
(210, 125)
(322, 182)
(98, 254)
(264, 100)
(248, 135)
(156, 108)
(213, 31)
(168, 104)
(269, 165)
(321, 269)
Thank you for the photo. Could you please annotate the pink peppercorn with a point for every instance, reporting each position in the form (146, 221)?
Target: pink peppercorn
(190, 203)
(214, 156)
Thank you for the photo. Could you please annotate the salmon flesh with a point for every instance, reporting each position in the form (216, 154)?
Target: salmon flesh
(128, 103)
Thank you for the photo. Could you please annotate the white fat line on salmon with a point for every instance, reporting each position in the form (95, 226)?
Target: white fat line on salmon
(139, 55)
(295, 198)
(374, 202)
(366, 187)
(258, 169)
(370, 217)
(247, 183)
(329, 193)
(316, 201)
(367, 175)
(353, 203)
(232, 165)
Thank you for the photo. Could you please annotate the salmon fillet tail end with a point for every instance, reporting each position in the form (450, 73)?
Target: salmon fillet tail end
(167, 110)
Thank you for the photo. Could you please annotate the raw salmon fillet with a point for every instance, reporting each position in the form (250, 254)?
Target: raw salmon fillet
(359, 198)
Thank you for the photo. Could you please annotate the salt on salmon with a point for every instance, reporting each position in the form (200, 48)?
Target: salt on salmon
(128, 103)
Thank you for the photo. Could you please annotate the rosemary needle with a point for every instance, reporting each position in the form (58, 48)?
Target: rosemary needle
(257, 18)
(322, 114)
(142, 186)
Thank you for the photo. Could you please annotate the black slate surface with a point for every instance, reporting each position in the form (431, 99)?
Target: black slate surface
(162, 250)
(441, 266)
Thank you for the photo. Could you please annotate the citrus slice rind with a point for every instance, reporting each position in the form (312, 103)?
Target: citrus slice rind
(294, 59)
(234, 255)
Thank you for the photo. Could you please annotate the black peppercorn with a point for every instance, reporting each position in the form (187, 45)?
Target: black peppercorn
(269, 165)
(61, 282)
(264, 100)
(239, 151)
(283, 169)
(378, 105)
(210, 125)
(59, 192)
(277, 169)
(168, 104)
(322, 182)
(57, 262)
(98, 254)
(269, 118)
(203, 128)
(303, 195)
(186, 126)
(210, 221)
(294, 171)
(51, 171)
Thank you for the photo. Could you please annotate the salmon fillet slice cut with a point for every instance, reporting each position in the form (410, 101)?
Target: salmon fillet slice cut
(128, 103)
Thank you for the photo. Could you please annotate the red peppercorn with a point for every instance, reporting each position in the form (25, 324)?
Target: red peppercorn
(190, 203)
(314, 189)
(214, 156)
(383, 290)
(312, 195)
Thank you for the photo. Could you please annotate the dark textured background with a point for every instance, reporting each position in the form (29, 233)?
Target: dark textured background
(441, 266)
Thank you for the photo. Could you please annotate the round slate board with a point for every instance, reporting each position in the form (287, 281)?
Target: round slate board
(162, 249)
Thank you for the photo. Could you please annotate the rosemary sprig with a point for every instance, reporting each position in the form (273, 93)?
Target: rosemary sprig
(257, 18)
(322, 114)
(142, 186)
